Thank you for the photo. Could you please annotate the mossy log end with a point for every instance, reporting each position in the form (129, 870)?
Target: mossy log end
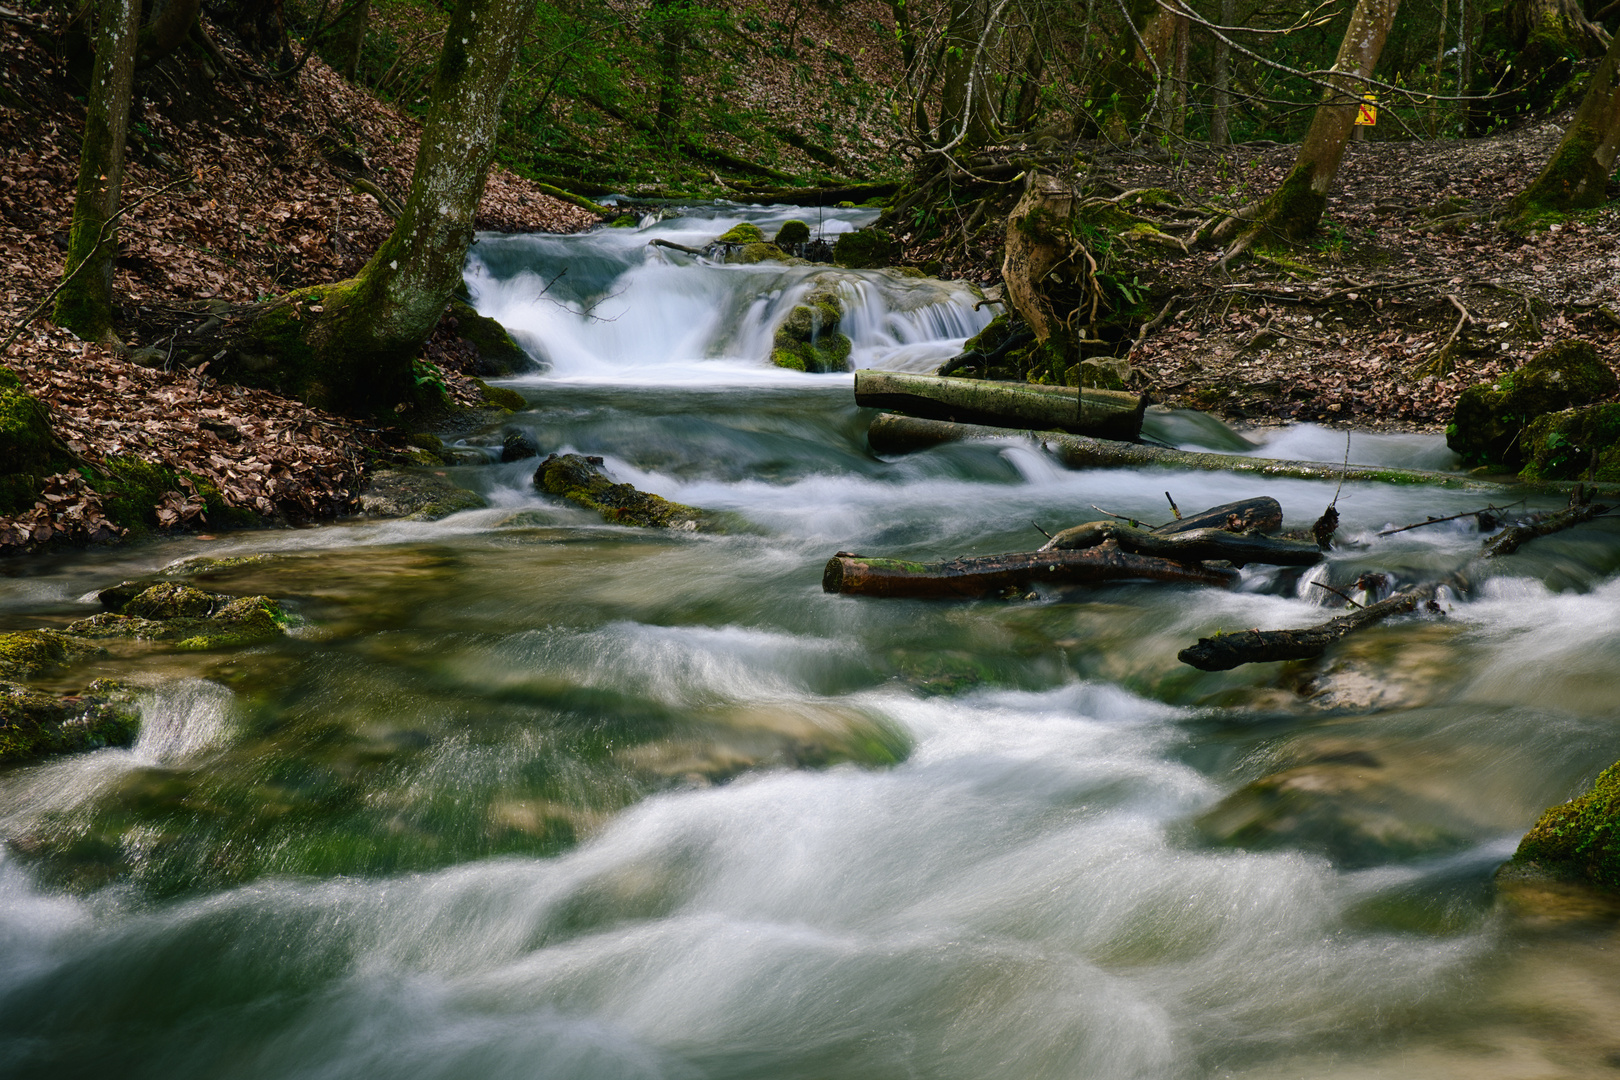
(1226, 651)
(1107, 414)
(1193, 545)
(990, 574)
(891, 434)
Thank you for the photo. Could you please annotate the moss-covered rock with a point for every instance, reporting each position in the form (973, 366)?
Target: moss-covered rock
(130, 489)
(1575, 444)
(1489, 423)
(749, 254)
(27, 654)
(741, 233)
(34, 724)
(866, 249)
(792, 234)
(1578, 840)
(498, 354)
(27, 448)
(417, 495)
(580, 480)
(808, 339)
(229, 622)
(502, 397)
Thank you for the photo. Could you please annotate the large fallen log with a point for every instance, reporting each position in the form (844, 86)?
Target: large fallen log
(1193, 545)
(1261, 514)
(990, 574)
(1226, 651)
(1106, 414)
(891, 434)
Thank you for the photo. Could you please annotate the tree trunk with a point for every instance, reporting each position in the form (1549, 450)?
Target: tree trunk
(1226, 651)
(1191, 545)
(1578, 172)
(349, 346)
(84, 305)
(348, 37)
(1106, 414)
(991, 574)
(1037, 248)
(1292, 212)
(673, 30)
(1220, 121)
(963, 120)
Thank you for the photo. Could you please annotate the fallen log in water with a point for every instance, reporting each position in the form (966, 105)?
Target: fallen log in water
(1261, 514)
(1193, 545)
(990, 574)
(1106, 414)
(1508, 540)
(891, 434)
(1226, 651)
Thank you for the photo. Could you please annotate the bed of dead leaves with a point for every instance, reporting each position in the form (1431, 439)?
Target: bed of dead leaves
(1409, 294)
(264, 204)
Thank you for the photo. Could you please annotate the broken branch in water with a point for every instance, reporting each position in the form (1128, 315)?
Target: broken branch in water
(1488, 513)
(1226, 651)
(1509, 540)
(990, 574)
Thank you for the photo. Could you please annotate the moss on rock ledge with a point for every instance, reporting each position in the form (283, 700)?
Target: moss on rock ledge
(1489, 424)
(581, 481)
(190, 618)
(1576, 444)
(1578, 840)
(34, 724)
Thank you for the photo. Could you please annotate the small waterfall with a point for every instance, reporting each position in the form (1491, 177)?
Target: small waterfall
(608, 306)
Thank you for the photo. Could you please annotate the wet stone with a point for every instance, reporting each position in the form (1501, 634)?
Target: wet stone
(35, 724)
(417, 495)
(581, 481)
(27, 654)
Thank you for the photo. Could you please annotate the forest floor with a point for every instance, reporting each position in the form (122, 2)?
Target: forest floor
(239, 189)
(1353, 328)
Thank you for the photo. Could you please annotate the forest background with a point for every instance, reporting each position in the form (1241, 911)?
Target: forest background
(270, 146)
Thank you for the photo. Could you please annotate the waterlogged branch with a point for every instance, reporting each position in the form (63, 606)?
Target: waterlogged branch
(1226, 651)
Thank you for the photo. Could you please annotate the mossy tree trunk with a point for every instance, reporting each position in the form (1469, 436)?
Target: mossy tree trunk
(1578, 171)
(672, 21)
(350, 346)
(84, 305)
(1292, 211)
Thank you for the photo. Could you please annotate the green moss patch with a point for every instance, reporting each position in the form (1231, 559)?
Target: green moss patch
(497, 352)
(1575, 444)
(742, 233)
(34, 724)
(749, 254)
(190, 618)
(581, 481)
(866, 249)
(808, 339)
(792, 234)
(1578, 840)
(27, 654)
(1489, 423)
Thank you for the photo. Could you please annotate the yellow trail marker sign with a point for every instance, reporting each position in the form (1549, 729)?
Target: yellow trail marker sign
(1367, 112)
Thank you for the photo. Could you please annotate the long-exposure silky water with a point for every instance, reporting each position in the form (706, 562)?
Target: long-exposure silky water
(531, 796)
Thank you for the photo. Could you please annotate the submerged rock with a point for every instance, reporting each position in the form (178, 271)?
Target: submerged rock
(34, 724)
(416, 496)
(580, 480)
(1342, 806)
(518, 445)
(808, 339)
(190, 618)
(1488, 427)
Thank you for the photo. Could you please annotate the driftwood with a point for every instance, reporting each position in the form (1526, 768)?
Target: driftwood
(991, 574)
(673, 246)
(1509, 540)
(1107, 414)
(1192, 545)
(1261, 514)
(1226, 651)
(891, 434)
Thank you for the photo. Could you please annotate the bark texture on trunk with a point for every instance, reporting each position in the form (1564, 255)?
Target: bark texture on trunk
(84, 305)
(1577, 174)
(1294, 209)
(349, 346)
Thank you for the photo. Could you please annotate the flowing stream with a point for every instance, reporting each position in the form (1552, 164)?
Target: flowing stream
(532, 796)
